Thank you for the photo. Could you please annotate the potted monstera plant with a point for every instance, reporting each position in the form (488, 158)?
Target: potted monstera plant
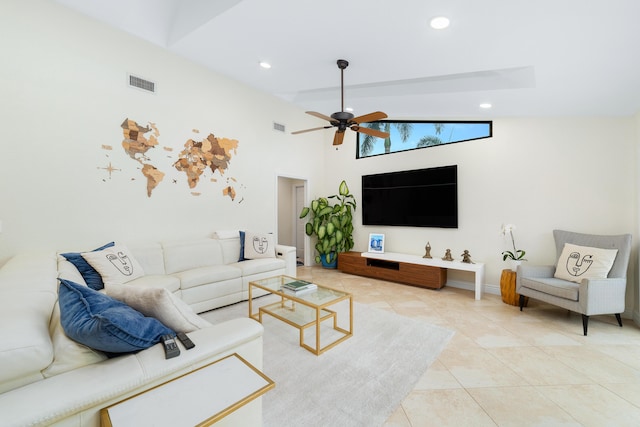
(331, 221)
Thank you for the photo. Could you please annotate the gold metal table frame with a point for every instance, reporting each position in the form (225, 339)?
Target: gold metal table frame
(303, 311)
(184, 394)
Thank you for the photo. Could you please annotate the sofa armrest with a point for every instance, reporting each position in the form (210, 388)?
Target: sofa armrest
(75, 397)
(288, 254)
(284, 249)
(602, 296)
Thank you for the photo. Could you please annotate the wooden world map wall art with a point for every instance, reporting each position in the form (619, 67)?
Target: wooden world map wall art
(197, 160)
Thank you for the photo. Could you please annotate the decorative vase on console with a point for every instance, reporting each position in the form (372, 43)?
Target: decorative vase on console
(508, 277)
(517, 255)
(515, 263)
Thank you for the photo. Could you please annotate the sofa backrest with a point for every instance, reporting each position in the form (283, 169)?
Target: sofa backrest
(620, 242)
(230, 249)
(189, 254)
(28, 289)
(149, 255)
(41, 266)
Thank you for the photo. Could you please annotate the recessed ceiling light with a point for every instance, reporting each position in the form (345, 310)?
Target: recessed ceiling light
(485, 105)
(349, 109)
(439, 23)
(265, 65)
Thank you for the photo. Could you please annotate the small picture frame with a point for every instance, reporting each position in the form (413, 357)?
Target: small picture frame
(376, 243)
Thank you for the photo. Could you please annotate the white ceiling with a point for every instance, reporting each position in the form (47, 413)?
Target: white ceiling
(526, 57)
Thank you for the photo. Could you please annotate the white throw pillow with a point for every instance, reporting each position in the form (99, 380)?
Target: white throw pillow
(160, 304)
(259, 245)
(116, 264)
(583, 262)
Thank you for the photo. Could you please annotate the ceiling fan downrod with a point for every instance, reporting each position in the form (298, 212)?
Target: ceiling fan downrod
(342, 64)
(343, 120)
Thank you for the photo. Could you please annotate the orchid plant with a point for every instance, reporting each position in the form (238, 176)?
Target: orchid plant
(516, 254)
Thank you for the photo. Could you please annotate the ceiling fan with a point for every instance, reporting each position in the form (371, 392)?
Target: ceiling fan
(343, 119)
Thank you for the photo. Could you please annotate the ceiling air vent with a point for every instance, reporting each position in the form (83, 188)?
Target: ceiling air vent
(279, 127)
(143, 84)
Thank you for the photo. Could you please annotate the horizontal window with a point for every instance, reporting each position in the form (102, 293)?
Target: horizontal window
(412, 135)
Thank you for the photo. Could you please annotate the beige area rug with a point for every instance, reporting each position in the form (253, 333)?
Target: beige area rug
(360, 382)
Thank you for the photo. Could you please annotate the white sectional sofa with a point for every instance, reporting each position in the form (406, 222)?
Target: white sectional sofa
(206, 273)
(48, 379)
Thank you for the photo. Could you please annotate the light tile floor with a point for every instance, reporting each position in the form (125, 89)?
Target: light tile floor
(504, 367)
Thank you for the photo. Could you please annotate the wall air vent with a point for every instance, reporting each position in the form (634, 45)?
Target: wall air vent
(143, 84)
(278, 126)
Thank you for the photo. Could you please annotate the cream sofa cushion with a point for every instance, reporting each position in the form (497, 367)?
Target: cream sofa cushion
(207, 275)
(230, 249)
(167, 282)
(149, 255)
(226, 234)
(191, 254)
(255, 266)
(25, 347)
(160, 304)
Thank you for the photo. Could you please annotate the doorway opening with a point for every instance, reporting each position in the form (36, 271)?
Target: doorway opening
(291, 198)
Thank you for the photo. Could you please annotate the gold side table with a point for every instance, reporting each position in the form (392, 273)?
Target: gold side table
(229, 384)
(508, 288)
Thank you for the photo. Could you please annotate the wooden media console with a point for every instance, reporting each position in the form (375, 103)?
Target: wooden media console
(411, 274)
(409, 269)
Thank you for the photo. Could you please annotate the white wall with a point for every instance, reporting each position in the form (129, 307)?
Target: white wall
(539, 174)
(636, 288)
(63, 95)
(287, 213)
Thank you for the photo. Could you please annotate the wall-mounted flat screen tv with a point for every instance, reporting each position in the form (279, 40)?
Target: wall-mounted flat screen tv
(412, 198)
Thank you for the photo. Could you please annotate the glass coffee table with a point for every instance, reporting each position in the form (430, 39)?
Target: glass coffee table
(303, 309)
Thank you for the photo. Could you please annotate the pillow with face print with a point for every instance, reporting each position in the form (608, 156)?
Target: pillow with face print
(116, 265)
(259, 245)
(582, 262)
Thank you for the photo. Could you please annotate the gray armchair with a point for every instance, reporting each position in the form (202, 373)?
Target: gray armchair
(590, 296)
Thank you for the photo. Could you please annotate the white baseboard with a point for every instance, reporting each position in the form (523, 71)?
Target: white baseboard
(470, 286)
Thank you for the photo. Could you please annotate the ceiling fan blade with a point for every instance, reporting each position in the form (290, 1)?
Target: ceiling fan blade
(344, 119)
(320, 116)
(371, 117)
(309, 130)
(372, 132)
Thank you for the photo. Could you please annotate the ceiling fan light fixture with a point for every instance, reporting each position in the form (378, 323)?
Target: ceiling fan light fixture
(439, 22)
(344, 119)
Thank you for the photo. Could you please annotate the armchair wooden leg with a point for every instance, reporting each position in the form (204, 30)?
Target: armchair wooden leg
(585, 323)
(619, 319)
(521, 301)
